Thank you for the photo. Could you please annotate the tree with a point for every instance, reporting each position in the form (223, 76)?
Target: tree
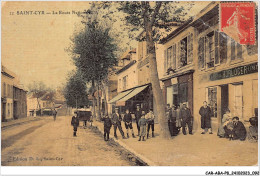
(152, 17)
(93, 53)
(75, 91)
(37, 89)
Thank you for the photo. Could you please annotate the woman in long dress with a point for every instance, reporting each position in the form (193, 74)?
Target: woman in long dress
(226, 118)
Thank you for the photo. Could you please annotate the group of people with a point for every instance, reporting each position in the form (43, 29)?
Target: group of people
(231, 127)
(179, 118)
(144, 122)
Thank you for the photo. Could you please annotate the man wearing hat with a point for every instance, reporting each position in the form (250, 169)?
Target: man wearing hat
(116, 121)
(138, 114)
(186, 118)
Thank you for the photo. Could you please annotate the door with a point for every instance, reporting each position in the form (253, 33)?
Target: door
(224, 99)
(238, 108)
(3, 111)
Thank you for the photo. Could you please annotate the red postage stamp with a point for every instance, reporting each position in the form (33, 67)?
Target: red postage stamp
(237, 19)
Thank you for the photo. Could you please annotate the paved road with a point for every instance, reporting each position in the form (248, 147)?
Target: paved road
(49, 143)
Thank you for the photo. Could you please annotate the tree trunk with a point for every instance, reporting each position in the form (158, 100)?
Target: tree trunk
(98, 104)
(105, 98)
(94, 100)
(157, 92)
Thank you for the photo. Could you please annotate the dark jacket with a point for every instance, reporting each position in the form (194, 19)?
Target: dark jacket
(116, 119)
(185, 114)
(205, 112)
(138, 115)
(128, 118)
(74, 121)
(107, 123)
(239, 131)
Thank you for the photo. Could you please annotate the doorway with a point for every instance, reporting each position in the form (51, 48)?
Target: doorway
(238, 108)
(224, 99)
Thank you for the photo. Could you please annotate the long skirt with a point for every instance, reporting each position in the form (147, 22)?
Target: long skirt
(221, 131)
(205, 122)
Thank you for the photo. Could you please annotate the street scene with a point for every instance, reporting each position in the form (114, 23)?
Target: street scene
(129, 83)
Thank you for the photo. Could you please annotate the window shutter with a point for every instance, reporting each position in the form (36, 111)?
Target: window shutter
(165, 61)
(222, 47)
(239, 51)
(216, 33)
(179, 55)
(190, 48)
(201, 53)
(174, 56)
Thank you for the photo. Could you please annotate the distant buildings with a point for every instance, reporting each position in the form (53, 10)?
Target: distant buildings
(13, 96)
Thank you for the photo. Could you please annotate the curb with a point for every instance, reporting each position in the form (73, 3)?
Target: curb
(18, 123)
(138, 156)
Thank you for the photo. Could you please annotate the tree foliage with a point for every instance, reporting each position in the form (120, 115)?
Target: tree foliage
(75, 91)
(93, 52)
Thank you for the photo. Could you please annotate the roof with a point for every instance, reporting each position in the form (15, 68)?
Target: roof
(7, 72)
(127, 54)
(126, 67)
(204, 14)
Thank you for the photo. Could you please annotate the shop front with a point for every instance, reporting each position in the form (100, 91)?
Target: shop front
(178, 89)
(235, 89)
(141, 95)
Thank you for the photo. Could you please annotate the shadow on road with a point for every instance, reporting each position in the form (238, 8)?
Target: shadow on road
(12, 139)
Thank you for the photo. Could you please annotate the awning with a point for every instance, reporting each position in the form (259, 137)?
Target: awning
(135, 91)
(119, 96)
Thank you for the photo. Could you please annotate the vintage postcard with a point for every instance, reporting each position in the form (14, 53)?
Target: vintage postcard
(130, 83)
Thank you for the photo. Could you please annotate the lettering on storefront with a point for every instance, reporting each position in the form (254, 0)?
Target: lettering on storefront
(237, 71)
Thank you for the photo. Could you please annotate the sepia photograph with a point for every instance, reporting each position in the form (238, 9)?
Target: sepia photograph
(130, 83)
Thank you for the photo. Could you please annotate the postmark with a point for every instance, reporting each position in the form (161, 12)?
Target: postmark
(237, 19)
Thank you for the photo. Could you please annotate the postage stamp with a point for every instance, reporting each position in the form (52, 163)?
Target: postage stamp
(237, 19)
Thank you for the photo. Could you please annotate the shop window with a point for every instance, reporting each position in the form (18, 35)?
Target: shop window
(212, 100)
(183, 92)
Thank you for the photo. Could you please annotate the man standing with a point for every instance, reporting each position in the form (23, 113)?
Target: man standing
(169, 117)
(75, 124)
(150, 122)
(54, 113)
(205, 113)
(138, 115)
(116, 121)
(186, 118)
(128, 123)
(107, 126)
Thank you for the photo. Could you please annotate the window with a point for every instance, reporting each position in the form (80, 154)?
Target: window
(8, 108)
(212, 50)
(4, 89)
(236, 50)
(183, 52)
(212, 100)
(169, 57)
(124, 82)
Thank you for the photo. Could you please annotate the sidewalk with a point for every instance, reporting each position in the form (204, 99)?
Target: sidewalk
(189, 150)
(19, 121)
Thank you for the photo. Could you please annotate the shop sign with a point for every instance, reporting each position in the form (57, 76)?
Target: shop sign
(233, 72)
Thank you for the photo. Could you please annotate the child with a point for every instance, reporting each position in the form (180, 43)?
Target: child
(228, 127)
(75, 124)
(142, 125)
(150, 122)
(107, 126)
(128, 123)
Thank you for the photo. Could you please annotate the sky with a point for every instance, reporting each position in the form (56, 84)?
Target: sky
(33, 45)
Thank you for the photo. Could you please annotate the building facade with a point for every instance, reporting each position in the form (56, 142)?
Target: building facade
(13, 97)
(203, 64)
